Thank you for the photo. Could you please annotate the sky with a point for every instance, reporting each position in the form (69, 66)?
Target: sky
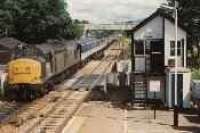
(108, 11)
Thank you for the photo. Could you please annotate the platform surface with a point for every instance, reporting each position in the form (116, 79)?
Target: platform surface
(101, 117)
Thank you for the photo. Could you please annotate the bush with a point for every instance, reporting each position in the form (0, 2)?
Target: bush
(196, 74)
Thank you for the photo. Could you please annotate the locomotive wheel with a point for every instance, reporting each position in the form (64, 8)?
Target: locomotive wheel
(39, 93)
(62, 77)
(29, 93)
(24, 94)
(42, 91)
(50, 86)
(33, 94)
(11, 94)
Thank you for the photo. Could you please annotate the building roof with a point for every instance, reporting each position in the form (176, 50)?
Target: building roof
(161, 13)
(10, 43)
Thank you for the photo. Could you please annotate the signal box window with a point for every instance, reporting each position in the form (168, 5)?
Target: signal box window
(173, 47)
(139, 47)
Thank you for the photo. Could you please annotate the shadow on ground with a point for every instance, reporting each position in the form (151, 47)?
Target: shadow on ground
(193, 118)
(118, 97)
(186, 129)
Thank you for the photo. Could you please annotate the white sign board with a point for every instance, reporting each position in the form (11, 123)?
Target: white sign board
(154, 85)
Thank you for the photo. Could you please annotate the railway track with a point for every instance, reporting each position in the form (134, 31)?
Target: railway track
(51, 113)
(63, 109)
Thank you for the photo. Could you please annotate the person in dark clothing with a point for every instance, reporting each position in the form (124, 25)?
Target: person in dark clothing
(124, 88)
(122, 79)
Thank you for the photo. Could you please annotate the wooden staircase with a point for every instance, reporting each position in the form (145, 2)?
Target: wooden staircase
(139, 89)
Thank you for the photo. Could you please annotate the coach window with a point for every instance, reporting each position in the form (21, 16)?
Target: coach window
(139, 47)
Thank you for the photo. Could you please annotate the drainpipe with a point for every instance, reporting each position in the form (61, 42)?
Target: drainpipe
(132, 53)
(132, 67)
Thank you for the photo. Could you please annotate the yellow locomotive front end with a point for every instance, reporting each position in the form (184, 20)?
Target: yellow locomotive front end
(24, 79)
(24, 71)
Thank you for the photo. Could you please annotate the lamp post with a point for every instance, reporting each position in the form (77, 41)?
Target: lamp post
(176, 60)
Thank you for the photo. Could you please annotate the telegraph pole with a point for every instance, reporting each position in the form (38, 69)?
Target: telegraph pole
(176, 108)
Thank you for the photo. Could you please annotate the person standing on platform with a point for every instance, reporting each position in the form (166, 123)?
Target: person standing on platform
(122, 77)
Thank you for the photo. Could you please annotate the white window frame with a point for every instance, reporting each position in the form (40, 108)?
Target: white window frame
(143, 45)
(179, 47)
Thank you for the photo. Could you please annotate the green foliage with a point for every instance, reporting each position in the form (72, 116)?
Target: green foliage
(75, 30)
(35, 21)
(189, 14)
(196, 74)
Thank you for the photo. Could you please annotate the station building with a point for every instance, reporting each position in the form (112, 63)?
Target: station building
(153, 61)
(7, 46)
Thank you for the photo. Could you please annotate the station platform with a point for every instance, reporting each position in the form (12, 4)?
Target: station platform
(89, 74)
(87, 54)
(104, 117)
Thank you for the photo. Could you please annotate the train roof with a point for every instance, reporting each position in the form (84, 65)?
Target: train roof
(44, 48)
(71, 44)
(87, 41)
(10, 43)
(56, 45)
(50, 46)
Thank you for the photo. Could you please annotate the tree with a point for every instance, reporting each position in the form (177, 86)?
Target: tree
(35, 21)
(189, 16)
(76, 30)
